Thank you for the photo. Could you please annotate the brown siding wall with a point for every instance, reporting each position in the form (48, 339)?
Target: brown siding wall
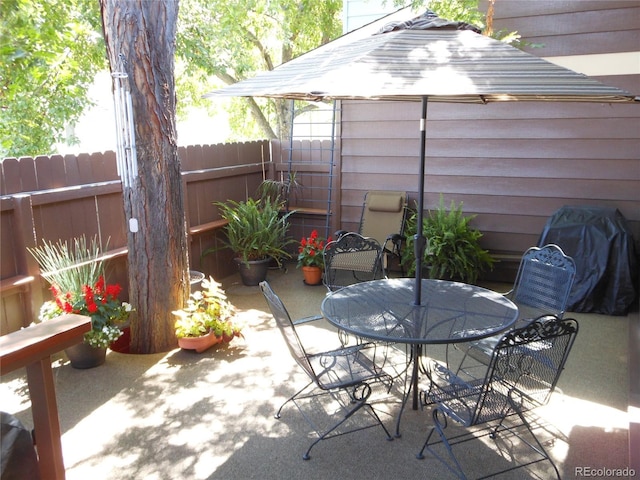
(512, 164)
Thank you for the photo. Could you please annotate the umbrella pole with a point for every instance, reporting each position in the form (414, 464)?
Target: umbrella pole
(419, 240)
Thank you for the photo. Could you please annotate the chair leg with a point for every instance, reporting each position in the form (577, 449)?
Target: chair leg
(539, 448)
(373, 412)
(321, 437)
(291, 398)
(358, 405)
(358, 397)
(439, 427)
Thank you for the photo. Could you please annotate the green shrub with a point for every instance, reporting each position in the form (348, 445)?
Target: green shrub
(257, 229)
(453, 250)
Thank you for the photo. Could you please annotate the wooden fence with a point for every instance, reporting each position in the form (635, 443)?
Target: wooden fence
(52, 198)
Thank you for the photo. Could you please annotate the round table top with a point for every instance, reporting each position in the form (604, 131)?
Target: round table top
(449, 312)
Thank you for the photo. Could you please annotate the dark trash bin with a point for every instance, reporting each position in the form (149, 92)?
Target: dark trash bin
(602, 246)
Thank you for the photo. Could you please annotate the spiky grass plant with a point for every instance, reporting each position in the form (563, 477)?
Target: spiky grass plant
(256, 230)
(76, 274)
(70, 266)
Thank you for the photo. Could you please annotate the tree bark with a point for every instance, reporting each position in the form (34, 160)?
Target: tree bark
(142, 34)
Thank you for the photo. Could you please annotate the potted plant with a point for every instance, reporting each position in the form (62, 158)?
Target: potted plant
(256, 233)
(207, 319)
(108, 314)
(453, 250)
(78, 286)
(311, 258)
(280, 190)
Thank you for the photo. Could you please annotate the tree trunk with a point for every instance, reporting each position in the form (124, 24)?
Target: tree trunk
(140, 38)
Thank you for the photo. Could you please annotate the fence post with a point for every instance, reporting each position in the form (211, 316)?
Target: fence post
(24, 239)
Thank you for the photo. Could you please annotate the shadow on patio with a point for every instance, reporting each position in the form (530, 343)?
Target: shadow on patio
(181, 415)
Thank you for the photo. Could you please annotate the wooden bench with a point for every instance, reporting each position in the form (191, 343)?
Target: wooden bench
(24, 284)
(506, 257)
(32, 348)
(19, 282)
(207, 227)
(308, 211)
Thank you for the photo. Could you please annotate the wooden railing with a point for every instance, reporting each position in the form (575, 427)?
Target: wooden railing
(32, 348)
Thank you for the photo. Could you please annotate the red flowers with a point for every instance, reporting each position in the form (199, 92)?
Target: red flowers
(98, 301)
(92, 297)
(310, 251)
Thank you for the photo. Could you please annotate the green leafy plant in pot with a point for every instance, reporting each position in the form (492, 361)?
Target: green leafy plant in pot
(453, 250)
(280, 190)
(76, 274)
(311, 258)
(207, 318)
(257, 234)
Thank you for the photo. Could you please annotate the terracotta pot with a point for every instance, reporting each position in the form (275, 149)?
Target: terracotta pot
(85, 356)
(312, 275)
(199, 344)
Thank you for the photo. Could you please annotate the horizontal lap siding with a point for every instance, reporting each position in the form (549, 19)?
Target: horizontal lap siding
(511, 164)
(530, 14)
(572, 28)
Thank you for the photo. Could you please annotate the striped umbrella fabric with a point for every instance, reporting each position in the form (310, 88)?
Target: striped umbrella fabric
(444, 65)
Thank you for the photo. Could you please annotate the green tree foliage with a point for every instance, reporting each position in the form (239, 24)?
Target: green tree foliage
(50, 51)
(459, 10)
(49, 55)
(468, 11)
(234, 40)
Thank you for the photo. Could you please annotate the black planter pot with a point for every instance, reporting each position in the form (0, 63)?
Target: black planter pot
(254, 272)
(85, 356)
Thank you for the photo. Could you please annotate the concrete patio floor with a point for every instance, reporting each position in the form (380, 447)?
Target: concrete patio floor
(182, 415)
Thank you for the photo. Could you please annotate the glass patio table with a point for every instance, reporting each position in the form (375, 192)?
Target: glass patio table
(450, 312)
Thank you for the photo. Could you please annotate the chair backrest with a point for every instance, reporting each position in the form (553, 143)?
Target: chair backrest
(383, 214)
(525, 366)
(287, 328)
(350, 259)
(544, 280)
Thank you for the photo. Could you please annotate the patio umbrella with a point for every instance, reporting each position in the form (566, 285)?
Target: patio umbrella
(423, 59)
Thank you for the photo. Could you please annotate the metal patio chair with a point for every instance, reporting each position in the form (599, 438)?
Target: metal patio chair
(523, 372)
(350, 259)
(542, 287)
(344, 370)
(382, 218)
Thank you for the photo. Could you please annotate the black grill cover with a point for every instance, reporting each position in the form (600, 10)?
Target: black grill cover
(601, 244)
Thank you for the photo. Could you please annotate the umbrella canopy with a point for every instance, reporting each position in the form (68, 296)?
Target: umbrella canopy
(439, 60)
(423, 59)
